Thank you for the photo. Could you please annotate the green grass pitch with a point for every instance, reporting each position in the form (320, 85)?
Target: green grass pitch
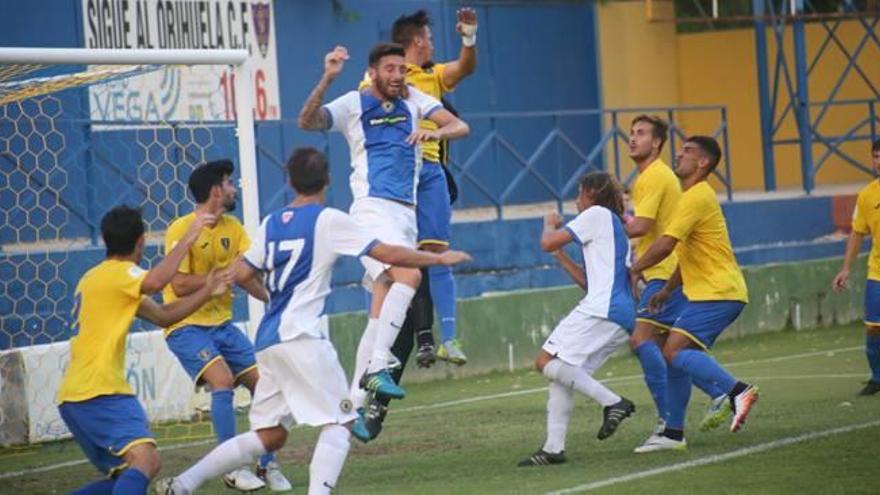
(465, 436)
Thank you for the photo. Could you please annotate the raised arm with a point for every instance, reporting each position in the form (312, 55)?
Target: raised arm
(448, 127)
(162, 274)
(554, 238)
(248, 278)
(313, 117)
(659, 251)
(638, 226)
(185, 284)
(216, 283)
(466, 63)
(574, 270)
(410, 258)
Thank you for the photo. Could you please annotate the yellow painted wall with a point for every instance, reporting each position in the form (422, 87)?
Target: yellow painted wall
(719, 68)
(638, 61)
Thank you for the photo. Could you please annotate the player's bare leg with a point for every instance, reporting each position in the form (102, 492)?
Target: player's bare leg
(220, 380)
(390, 309)
(267, 468)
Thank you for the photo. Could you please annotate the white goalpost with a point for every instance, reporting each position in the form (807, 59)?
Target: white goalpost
(60, 169)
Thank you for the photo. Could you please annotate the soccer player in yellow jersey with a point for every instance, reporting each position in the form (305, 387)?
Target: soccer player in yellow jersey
(434, 209)
(655, 194)
(714, 287)
(95, 401)
(433, 201)
(210, 348)
(866, 221)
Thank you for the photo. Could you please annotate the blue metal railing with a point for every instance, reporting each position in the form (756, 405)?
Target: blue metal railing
(786, 90)
(603, 154)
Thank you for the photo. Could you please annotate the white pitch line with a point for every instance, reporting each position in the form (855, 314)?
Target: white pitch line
(469, 400)
(714, 459)
(52, 467)
(503, 395)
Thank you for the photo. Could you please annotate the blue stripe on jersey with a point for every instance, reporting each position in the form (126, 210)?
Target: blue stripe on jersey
(283, 231)
(574, 236)
(391, 161)
(622, 309)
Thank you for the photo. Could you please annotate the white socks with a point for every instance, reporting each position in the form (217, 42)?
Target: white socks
(328, 459)
(362, 359)
(391, 318)
(560, 402)
(236, 452)
(580, 381)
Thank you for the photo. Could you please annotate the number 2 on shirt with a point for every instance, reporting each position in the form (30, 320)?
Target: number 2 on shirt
(74, 314)
(283, 252)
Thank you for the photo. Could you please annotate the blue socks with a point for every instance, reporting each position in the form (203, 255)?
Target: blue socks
(703, 367)
(443, 297)
(710, 388)
(131, 482)
(102, 487)
(654, 367)
(678, 386)
(223, 414)
(266, 458)
(872, 350)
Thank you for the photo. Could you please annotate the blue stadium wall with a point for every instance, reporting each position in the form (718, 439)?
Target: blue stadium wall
(532, 56)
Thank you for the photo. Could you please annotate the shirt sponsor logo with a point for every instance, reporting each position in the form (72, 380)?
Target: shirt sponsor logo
(390, 120)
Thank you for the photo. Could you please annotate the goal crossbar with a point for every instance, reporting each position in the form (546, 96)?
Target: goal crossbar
(121, 57)
(238, 59)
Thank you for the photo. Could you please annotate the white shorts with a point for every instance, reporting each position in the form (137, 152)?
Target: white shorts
(301, 382)
(584, 340)
(391, 222)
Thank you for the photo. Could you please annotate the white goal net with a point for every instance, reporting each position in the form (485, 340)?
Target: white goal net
(61, 169)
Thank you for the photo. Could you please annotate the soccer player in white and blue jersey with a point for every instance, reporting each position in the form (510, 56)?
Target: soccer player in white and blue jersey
(381, 125)
(601, 321)
(301, 380)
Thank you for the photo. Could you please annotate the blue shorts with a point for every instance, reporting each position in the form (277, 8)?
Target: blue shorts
(703, 321)
(197, 347)
(872, 303)
(670, 312)
(106, 427)
(433, 208)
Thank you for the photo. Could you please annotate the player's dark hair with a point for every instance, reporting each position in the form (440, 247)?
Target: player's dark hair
(659, 127)
(604, 190)
(383, 50)
(710, 148)
(307, 171)
(121, 228)
(207, 175)
(407, 27)
(875, 146)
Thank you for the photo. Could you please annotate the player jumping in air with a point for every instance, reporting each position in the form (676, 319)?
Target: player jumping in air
(301, 379)
(381, 125)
